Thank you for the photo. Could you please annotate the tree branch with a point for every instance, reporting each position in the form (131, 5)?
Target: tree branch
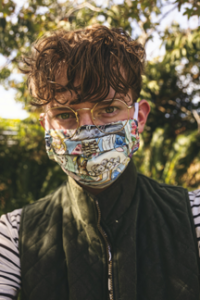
(197, 118)
(168, 12)
(82, 5)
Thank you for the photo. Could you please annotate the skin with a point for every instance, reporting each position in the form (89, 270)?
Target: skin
(86, 119)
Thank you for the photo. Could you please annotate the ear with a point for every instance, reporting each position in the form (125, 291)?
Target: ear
(42, 120)
(144, 110)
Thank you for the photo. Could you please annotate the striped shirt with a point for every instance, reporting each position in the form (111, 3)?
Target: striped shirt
(10, 275)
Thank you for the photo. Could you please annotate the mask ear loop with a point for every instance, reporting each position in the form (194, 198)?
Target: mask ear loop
(136, 106)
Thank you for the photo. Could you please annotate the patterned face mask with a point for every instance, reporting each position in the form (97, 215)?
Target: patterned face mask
(92, 157)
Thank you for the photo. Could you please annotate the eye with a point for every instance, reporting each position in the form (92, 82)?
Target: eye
(110, 109)
(63, 116)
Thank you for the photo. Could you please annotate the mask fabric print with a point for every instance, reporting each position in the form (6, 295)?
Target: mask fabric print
(93, 157)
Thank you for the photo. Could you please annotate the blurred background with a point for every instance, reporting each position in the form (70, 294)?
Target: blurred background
(170, 145)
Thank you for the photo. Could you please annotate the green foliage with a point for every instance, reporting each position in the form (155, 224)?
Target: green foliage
(192, 10)
(174, 161)
(4, 74)
(27, 174)
(170, 150)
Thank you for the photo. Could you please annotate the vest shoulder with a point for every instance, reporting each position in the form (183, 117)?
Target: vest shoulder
(164, 197)
(147, 181)
(43, 205)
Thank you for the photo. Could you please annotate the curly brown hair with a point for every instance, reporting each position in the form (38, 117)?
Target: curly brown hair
(98, 56)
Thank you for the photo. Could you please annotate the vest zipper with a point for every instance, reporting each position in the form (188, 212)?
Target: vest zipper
(109, 255)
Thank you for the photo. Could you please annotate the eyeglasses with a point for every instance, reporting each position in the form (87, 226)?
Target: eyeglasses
(102, 113)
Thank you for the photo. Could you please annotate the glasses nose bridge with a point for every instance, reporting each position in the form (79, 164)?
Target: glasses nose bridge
(84, 108)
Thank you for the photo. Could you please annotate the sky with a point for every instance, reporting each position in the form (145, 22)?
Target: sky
(14, 110)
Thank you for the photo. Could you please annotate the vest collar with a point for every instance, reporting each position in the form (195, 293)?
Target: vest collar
(82, 203)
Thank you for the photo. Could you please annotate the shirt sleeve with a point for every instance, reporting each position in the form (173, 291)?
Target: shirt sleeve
(10, 273)
(195, 206)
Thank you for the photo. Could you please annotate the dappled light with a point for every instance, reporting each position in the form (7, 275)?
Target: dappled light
(169, 149)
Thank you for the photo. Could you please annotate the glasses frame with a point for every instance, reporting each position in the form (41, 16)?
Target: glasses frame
(91, 112)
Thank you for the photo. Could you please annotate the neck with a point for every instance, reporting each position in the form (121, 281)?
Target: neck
(93, 190)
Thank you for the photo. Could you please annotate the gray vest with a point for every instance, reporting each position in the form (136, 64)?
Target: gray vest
(150, 229)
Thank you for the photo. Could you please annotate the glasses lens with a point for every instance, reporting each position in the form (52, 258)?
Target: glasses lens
(107, 112)
(62, 118)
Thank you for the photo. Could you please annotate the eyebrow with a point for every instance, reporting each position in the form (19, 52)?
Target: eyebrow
(60, 107)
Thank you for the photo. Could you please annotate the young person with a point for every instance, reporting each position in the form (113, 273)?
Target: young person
(107, 232)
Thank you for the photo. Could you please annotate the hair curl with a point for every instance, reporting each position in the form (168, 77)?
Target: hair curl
(100, 57)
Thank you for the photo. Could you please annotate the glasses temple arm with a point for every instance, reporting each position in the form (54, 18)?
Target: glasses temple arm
(136, 106)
